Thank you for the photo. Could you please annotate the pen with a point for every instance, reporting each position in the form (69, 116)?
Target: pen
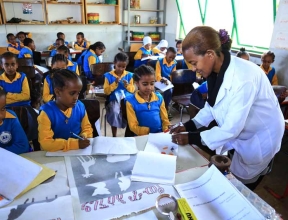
(184, 132)
(77, 136)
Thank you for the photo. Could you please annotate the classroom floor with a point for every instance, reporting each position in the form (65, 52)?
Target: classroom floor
(276, 180)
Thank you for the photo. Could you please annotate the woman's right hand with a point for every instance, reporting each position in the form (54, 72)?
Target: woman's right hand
(177, 129)
(83, 143)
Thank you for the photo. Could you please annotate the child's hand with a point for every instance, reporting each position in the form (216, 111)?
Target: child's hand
(117, 80)
(164, 81)
(125, 83)
(83, 143)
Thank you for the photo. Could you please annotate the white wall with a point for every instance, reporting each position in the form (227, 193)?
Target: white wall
(172, 21)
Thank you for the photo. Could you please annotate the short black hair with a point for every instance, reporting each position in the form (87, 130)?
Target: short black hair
(142, 70)
(21, 32)
(60, 77)
(121, 57)
(9, 35)
(178, 42)
(242, 52)
(8, 55)
(64, 48)
(98, 45)
(27, 41)
(171, 49)
(268, 53)
(81, 34)
(60, 39)
(59, 57)
(59, 34)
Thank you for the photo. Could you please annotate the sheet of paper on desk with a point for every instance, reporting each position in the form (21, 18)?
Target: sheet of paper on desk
(154, 168)
(41, 68)
(161, 143)
(213, 197)
(162, 86)
(179, 58)
(16, 174)
(151, 58)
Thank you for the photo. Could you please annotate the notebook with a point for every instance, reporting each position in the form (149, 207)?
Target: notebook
(162, 86)
(102, 146)
(154, 168)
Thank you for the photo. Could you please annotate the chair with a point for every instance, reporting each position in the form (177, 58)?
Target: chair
(183, 88)
(280, 92)
(130, 66)
(192, 110)
(98, 70)
(93, 111)
(128, 132)
(26, 65)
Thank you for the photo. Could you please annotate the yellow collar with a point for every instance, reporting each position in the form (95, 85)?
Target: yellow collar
(67, 113)
(7, 115)
(166, 63)
(115, 75)
(92, 51)
(14, 45)
(270, 68)
(27, 48)
(70, 63)
(141, 100)
(7, 80)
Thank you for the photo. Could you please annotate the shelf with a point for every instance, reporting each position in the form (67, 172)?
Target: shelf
(43, 23)
(147, 10)
(11, 1)
(67, 24)
(145, 25)
(95, 4)
(65, 3)
(104, 24)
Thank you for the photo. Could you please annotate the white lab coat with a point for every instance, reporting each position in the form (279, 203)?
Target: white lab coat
(248, 116)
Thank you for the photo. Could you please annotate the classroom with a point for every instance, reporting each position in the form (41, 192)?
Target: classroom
(143, 109)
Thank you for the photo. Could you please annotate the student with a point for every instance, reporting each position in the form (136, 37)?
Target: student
(146, 111)
(54, 45)
(15, 84)
(91, 57)
(164, 67)
(267, 59)
(243, 54)
(13, 46)
(59, 61)
(81, 43)
(144, 51)
(116, 82)
(73, 66)
(161, 48)
(12, 135)
(27, 50)
(21, 36)
(66, 114)
(59, 42)
(199, 95)
(179, 47)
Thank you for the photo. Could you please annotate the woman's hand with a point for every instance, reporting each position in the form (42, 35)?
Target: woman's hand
(83, 143)
(177, 129)
(180, 139)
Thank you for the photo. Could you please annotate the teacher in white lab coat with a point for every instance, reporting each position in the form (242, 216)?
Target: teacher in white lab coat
(241, 101)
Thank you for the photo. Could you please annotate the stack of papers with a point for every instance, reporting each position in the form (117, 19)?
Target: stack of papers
(18, 175)
(162, 86)
(102, 146)
(154, 168)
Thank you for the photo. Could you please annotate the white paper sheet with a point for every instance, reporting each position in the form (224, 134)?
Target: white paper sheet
(213, 197)
(16, 174)
(162, 86)
(154, 168)
(80, 152)
(151, 58)
(114, 145)
(98, 127)
(179, 58)
(41, 68)
(161, 143)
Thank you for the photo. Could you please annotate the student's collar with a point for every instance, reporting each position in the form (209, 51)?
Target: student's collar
(6, 79)
(92, 51)
(14, 45)
(270, 68)
(80, 45)
(70, 63)
(115, 75)
(145, 48)
(7, 115)
(28, 48)
(166, 63)
(141, 100)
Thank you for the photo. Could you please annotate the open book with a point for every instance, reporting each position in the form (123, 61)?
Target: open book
(213, 197)
(151, 58)
(102, 146)
(154, 168)
(162, 86)
(19, 175)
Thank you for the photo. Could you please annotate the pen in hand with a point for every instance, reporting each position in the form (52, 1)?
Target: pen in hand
(77, 136)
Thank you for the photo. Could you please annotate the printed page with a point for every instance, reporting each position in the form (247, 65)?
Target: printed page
(213, 197)
(114, 145)
(16, 174)
(179, 58)
(162, 86)
(154, 168)
(83, 152)
(161, 143)
(41, 68)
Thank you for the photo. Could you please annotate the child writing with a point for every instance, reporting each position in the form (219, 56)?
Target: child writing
(116, 81)
(27, 50)
(146, 111)
(59, 35)
(161, 48)
(91, 57)
(243, 54)
(81, 43)
(59, 42)
(13, 46)
(12, 135)
(144, 51)
(21, 36)
(15, 84)
(59, 120)
(179, 47)
(164, 67)
(59, 61)
(73, 66)
(267, 59)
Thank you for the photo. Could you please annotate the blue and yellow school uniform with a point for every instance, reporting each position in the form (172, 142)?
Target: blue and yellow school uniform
(111, 87)
(51, 47)
(25, 52)
(164, 69)
(271, 74)
(48, 90)
(138, 56)
(84, 45)
(156, 51)
(179, 54)
(89, 58)
(12, 135)
(53, 52)
(146, 117)
(73, 66)
(14, 48)
(18, 92)
(55, 126)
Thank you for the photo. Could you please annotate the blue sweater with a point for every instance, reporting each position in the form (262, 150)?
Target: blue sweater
(86, 64)
(144, 52)
(60, 124)
(53, 52)
(166, 70)
(25, 51)
(12, 135)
